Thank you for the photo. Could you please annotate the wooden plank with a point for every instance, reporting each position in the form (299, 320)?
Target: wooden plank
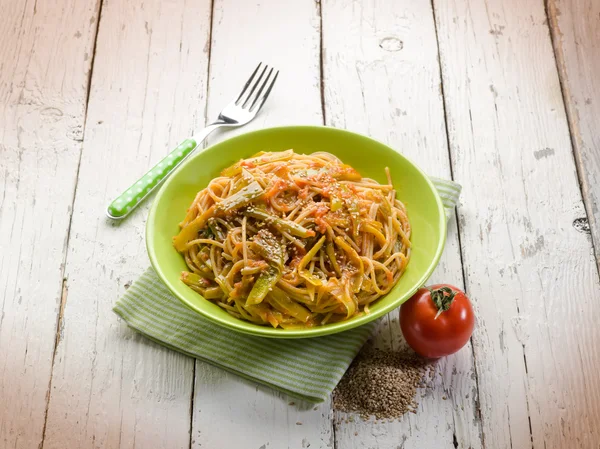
(45, 59)
(575, 28)
(285, 35)
(112, 388)
(382, 78)
(531, 274)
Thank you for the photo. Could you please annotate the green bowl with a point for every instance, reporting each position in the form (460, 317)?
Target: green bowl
(369, 157)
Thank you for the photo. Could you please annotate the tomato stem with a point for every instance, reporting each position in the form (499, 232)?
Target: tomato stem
(442, 298)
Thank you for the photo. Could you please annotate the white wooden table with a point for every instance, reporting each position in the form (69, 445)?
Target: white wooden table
(501, 95)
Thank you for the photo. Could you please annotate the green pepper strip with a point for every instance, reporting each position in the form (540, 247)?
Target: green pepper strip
(240, 199)
(265, 282)
(306, 260)
(330, 250)
(193, 279)
(269, 248)
(279, 223)
(281, 302)
(190, 231)
(336, 204)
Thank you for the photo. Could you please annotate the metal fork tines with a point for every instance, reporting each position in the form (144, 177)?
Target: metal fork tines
(255, 85)
(252, 97)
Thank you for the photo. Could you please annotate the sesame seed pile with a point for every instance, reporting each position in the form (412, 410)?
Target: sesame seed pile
(380, 383)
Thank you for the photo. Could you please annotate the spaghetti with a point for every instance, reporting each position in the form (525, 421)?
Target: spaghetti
(293, 240)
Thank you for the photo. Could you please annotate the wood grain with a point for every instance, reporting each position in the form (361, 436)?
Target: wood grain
(382, 79)
(528, 258)
(286, 36)
(531, 274)
(112, 388)
(575, 27)
(45, 58)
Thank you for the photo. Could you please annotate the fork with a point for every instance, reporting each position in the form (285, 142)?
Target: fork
(237, 113)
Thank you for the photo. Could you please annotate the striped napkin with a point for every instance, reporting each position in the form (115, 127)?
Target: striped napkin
(308, 368)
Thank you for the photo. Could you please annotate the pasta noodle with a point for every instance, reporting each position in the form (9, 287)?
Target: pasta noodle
(293, 240)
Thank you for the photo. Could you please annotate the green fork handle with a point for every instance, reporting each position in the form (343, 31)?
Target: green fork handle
(134, 195)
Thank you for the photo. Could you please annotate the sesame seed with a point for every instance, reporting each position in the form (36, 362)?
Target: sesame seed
(380, 383)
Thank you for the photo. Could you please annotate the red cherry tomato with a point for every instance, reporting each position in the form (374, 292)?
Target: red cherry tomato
(437, 320)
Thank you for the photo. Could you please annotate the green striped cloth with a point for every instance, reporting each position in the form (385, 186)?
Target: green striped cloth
(449, 192)
(307, 368)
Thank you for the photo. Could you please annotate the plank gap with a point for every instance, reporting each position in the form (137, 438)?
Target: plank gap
(89, 89)
(209, 42)
(296, 98)
(64, 288)
(206, 121)
(531, 431)
(59, 319)
(458, 231)
(192, 404)
(324, 121)
(321, 65)
(527, 397)
(439, 60)
(477, 403)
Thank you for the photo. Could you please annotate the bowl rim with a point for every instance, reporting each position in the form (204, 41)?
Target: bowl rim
(317, 331)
